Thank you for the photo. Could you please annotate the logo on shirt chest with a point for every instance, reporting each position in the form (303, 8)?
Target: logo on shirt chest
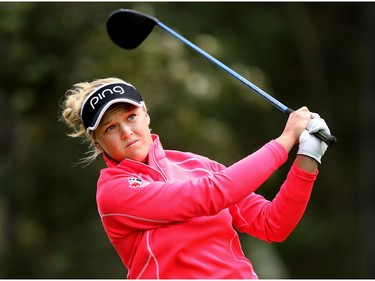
(137, 182)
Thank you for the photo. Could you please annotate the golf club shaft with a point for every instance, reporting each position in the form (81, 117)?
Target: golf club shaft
(256, 89)
(328, 139)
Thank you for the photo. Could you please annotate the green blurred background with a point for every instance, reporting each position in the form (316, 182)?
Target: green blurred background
(317, 54)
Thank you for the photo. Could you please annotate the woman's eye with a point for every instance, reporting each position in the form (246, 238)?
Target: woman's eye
(132, 117)
(110, 128)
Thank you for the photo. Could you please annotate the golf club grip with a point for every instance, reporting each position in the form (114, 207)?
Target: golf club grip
(330, 140)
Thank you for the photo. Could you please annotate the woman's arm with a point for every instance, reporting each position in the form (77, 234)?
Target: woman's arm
(274, 220)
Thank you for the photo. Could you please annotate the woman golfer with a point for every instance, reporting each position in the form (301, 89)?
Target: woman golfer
(174, 215)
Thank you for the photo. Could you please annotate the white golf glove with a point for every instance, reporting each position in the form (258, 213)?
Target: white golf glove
(309, 144)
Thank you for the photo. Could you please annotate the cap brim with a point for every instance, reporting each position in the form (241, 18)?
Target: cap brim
(100, 113)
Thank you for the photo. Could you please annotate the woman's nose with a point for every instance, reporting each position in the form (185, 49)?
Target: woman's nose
(126, 131)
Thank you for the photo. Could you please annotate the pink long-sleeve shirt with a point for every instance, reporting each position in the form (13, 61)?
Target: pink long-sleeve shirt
(176, 218)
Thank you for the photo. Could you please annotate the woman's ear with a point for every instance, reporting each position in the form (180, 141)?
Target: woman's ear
(147, 116)
(98, 146)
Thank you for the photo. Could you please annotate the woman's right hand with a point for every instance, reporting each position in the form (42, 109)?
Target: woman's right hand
(297, 122)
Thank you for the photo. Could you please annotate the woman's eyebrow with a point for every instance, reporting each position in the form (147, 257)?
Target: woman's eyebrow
(105, 122)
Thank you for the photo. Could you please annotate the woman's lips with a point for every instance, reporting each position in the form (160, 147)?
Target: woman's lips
(131, 143)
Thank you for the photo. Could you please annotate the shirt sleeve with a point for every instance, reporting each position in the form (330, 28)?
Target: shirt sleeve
(164, 202)
(274, 220)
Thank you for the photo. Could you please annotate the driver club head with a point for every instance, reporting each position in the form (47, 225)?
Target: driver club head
(128, 28)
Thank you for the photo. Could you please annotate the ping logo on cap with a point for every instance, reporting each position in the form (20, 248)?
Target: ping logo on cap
(97, 102)
(99, 95)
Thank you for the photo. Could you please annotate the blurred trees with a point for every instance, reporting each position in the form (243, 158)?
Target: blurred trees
(315, 54)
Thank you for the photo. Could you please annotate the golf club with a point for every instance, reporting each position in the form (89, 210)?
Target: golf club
(129, 28)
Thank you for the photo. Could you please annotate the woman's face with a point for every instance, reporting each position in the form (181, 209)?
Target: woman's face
(124, 133)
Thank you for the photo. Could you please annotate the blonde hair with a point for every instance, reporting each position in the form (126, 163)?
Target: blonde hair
(71, 113)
